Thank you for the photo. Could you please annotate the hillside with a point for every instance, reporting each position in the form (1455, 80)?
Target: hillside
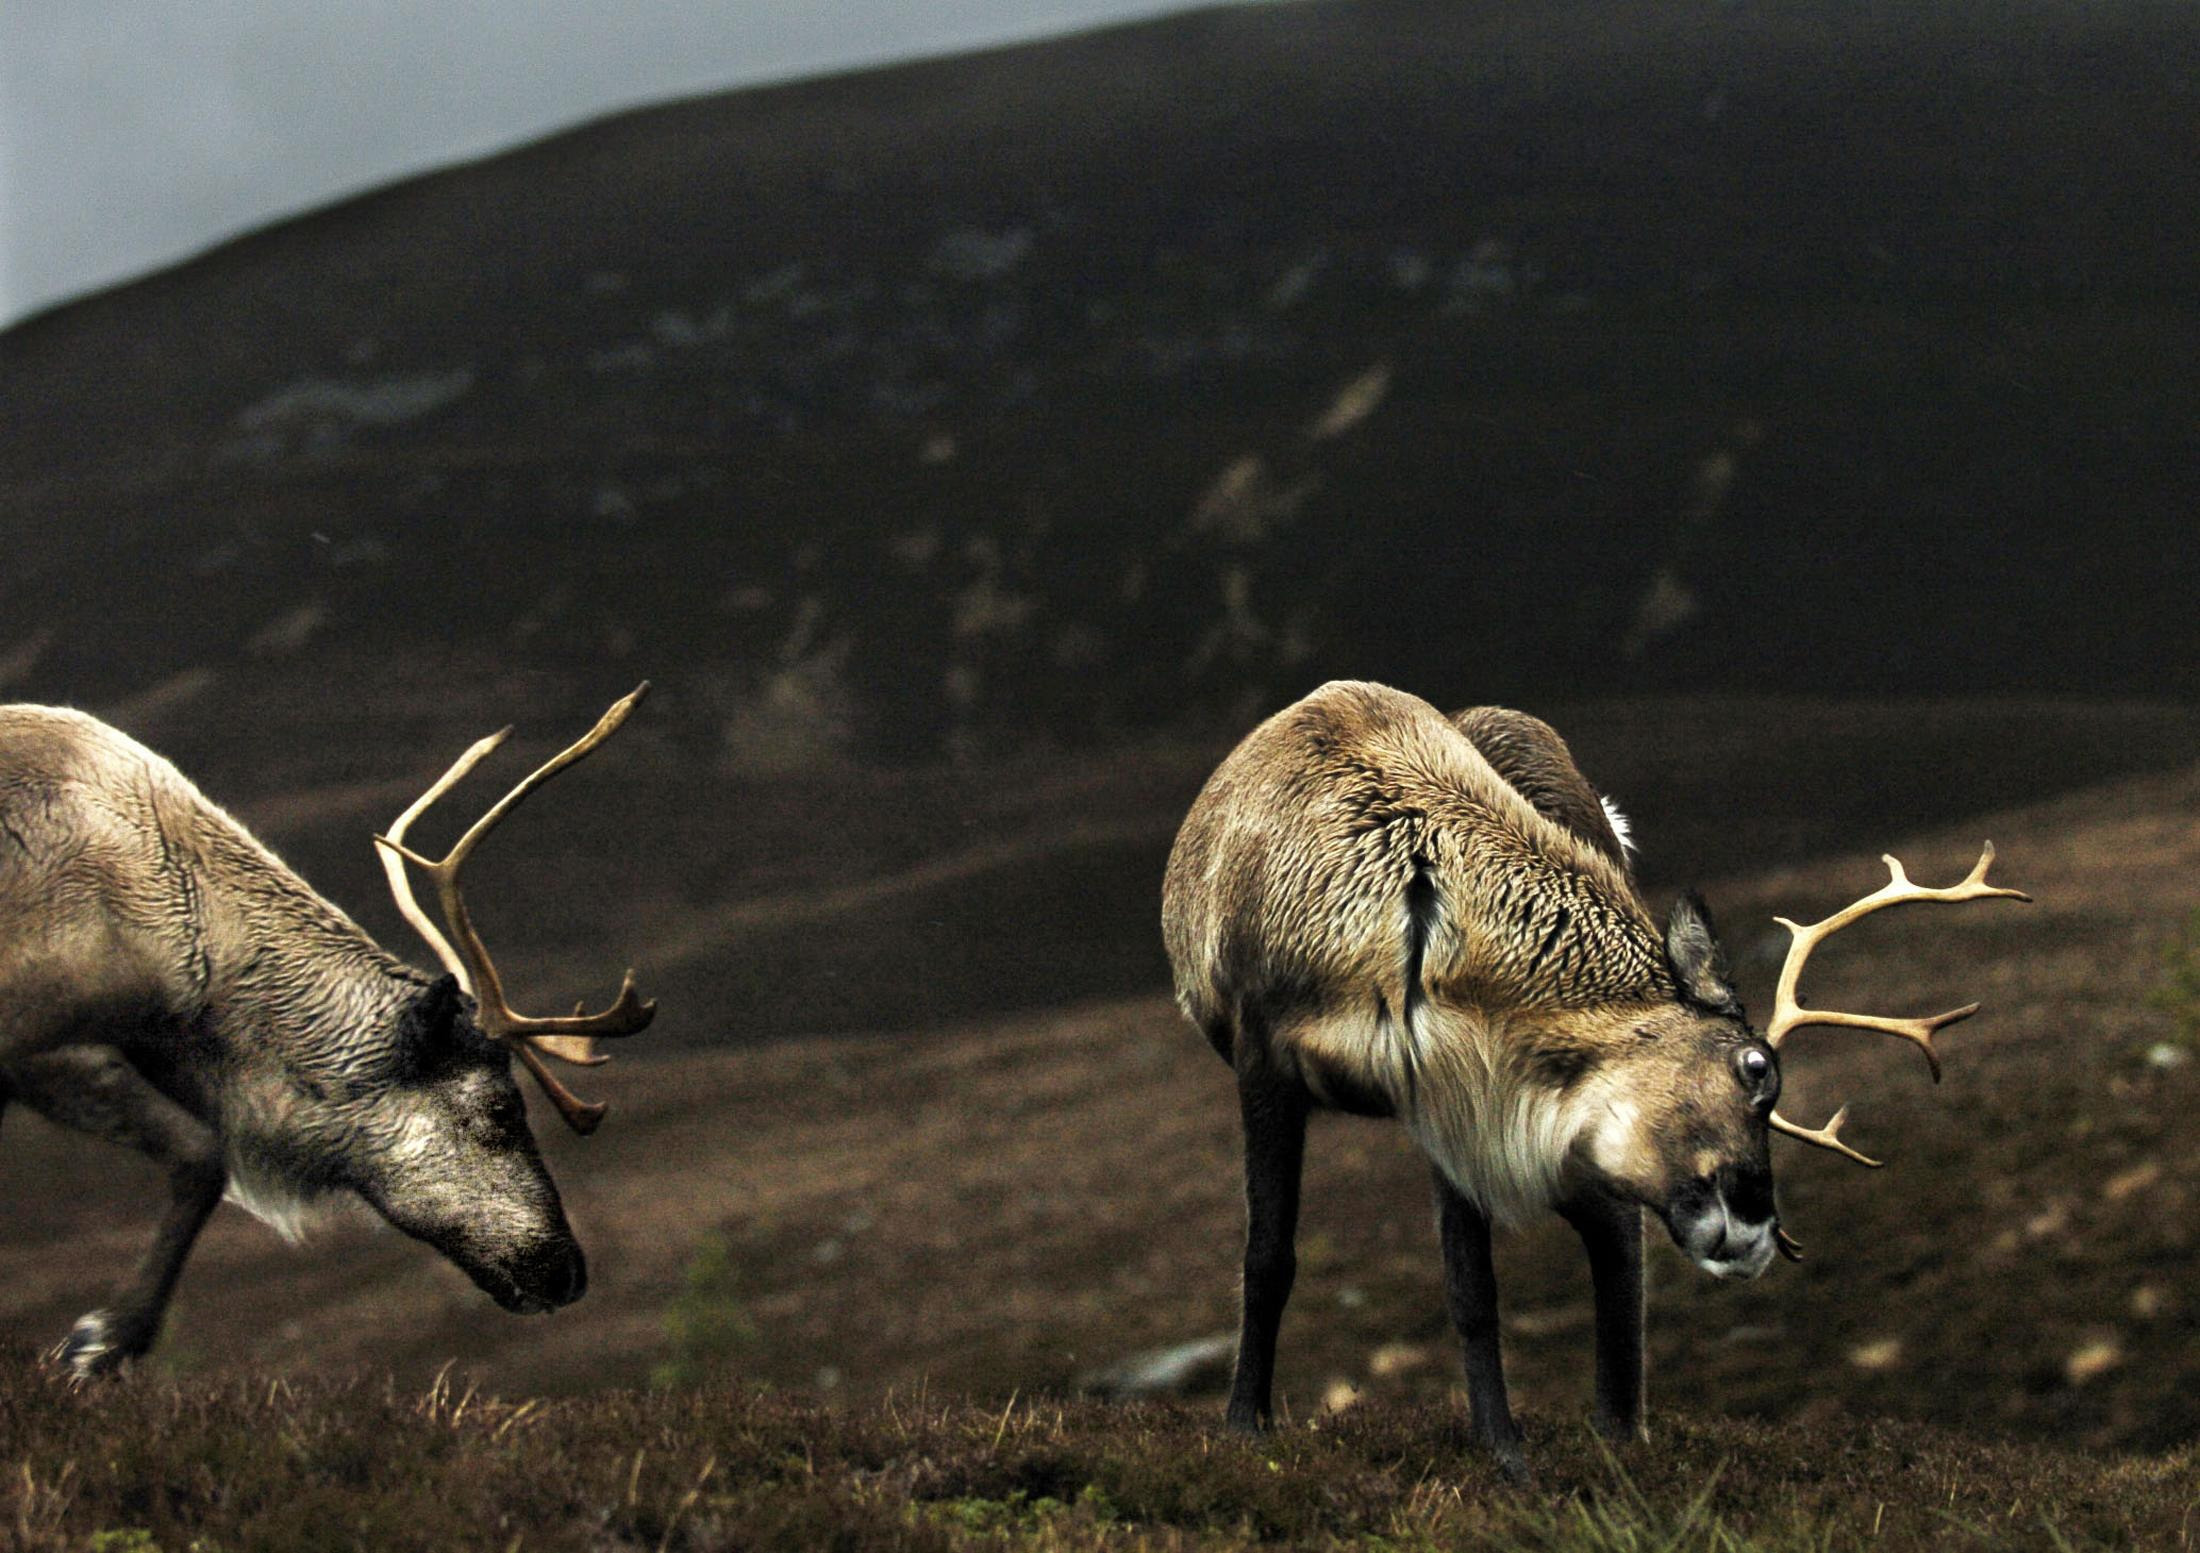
(1794, 403)
(1145, 378)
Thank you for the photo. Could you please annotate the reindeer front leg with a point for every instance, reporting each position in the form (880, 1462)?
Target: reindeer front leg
(1611, 1233)
(95, 1090)
(1470, 1289)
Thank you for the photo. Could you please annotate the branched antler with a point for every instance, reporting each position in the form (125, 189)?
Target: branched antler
(569, 1038)
(1789, 1015)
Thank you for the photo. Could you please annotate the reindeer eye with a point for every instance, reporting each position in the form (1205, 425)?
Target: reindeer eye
(1753, 1064)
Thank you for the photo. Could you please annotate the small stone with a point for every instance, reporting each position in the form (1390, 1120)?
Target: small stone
(1550, 1320)
(1396, 1359)
(1745, 1336)
(2137, 1179)
(1199, 1365)
(1338, 1395)
(2163, 1054)
(2093, 1359)
(2049, 1221)
(2149, 1300)
(1881, 1353)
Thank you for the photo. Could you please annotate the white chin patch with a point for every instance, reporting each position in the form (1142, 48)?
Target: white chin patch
(1748, 1265)
(1728, 1269)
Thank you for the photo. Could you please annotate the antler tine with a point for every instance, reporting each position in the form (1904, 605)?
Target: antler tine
(583, 1116)
(578, 750)
(569, 1038)
(627, 1015)
(390, 848)
(1789, 1015)
(1826, 1137)
(629, 1012)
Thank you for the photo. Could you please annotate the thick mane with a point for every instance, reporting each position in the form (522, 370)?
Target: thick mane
(1518, 907)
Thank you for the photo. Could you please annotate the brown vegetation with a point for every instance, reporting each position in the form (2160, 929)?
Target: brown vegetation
(355, 1463)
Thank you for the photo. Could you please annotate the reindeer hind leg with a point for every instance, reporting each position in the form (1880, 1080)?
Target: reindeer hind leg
(1274, 1109)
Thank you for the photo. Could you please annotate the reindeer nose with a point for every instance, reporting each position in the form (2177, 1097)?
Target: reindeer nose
(555, 1274)
(576, 1279)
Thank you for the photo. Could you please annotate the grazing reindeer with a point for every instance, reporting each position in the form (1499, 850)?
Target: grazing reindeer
(1378, 910)
(168, 984)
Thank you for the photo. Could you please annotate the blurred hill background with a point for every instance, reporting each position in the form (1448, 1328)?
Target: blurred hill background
(1795, 402)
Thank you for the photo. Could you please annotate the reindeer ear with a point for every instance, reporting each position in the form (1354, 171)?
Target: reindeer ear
(1693, 954)
(439, 1006)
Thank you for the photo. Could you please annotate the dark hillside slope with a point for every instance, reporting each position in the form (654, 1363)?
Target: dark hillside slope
(1541, 346)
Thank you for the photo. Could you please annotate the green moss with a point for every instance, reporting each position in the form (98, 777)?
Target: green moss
(2178, 992)
(705, 1326)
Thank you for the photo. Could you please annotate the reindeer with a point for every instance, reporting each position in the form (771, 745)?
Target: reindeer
(166, 983)
(1374, 909)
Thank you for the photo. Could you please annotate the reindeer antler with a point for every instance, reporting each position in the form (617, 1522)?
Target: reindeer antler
(569, 1038)
(1789, 1015)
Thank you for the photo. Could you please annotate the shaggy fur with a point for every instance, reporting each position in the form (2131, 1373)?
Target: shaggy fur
(1379, 909)
(168, 984)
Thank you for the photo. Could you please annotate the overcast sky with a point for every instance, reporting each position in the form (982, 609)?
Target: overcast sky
(135, 132)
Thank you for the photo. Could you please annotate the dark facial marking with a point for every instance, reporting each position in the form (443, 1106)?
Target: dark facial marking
(1562, 1066)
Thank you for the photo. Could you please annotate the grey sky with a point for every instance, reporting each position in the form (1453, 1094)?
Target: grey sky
(135, 132)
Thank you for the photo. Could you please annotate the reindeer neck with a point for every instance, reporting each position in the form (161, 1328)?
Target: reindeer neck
(289, 971)
(1499, 1097)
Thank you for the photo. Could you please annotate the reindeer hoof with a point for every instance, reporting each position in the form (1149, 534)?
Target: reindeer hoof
(1616, 1430)
(96, 1346)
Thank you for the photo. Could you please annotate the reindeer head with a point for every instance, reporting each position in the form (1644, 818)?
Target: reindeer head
(436, 1140)
(448, 1156)
(1681, 1117)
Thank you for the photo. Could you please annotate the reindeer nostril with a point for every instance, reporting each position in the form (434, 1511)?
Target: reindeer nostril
(554, 1274)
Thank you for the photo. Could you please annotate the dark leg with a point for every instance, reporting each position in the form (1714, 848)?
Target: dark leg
(1470, 1287)
(95, 1090)
(1274, 1111)
(1611, 1232)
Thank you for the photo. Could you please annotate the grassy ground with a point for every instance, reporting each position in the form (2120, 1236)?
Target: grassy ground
(341, 1463)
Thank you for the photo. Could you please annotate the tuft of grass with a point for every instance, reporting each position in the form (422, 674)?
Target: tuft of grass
(705, 1324)
(2178, 992)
